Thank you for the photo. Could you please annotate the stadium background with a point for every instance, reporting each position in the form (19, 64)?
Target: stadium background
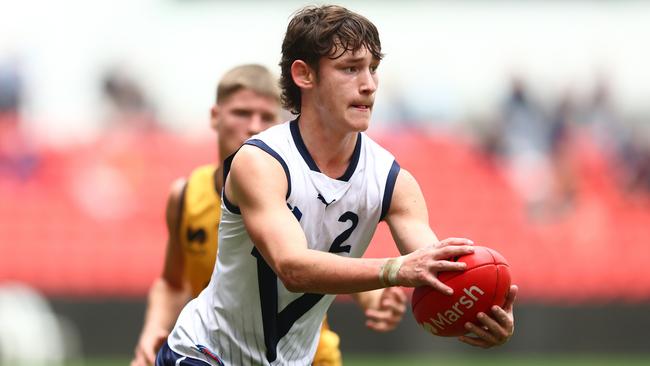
(525, 123)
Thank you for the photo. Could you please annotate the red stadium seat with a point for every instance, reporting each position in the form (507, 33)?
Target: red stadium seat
(90, 221)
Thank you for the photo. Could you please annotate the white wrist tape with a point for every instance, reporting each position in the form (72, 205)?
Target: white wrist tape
(389, 270)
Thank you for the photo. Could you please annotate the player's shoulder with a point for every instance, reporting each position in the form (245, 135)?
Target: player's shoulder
(274, 142)
(254, 157)
(175, 200)
(376, 150)
(278, 131)
(203, 172)
(257, 162)
(176, 190)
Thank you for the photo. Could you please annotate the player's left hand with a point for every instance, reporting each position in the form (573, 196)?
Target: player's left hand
(496, 329)
(389, 311)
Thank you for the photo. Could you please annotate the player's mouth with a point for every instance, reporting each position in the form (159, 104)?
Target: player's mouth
(362, 107)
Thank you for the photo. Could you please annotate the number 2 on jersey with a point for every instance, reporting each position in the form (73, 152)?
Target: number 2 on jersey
(277, 324)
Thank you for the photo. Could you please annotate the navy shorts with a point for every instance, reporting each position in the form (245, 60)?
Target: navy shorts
(167, 357)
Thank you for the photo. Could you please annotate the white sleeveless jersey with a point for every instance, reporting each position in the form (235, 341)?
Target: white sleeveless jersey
(246, 316)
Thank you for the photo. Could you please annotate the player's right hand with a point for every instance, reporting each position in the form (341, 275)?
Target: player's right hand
(148, 346)
(421, 267)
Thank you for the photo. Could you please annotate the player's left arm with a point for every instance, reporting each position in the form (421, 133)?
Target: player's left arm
(408, 221)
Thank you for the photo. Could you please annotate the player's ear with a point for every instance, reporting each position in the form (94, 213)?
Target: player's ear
(214, 117)
(302, 74)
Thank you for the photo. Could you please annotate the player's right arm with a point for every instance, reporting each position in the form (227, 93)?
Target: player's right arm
(169, 293)
(258, 185)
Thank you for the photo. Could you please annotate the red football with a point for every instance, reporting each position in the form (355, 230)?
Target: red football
(484, 283)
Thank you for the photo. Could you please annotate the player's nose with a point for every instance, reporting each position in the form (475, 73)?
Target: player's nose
(368, 82)
(256, 124)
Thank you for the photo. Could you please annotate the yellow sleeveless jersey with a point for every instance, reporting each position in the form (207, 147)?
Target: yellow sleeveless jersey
(200, 214)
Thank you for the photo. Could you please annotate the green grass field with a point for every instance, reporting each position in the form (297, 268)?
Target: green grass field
(488, 360)
(447, 360)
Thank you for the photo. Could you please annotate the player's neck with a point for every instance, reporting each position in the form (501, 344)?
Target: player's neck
(331, 149)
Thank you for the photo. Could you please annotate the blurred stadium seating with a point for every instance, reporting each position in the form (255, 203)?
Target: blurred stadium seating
(89, 220)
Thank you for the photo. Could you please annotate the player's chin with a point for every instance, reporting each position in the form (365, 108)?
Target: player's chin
(359, 120)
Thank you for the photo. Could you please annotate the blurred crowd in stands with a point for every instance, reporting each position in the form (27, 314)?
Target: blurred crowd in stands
(129, 105)
(546, 180)
(534, 143)
(17, 155)
(538, 146)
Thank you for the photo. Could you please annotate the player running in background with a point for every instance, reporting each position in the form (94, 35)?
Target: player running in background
(248, 102)
(301, 202)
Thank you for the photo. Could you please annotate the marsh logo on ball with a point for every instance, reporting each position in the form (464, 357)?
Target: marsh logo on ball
(451, 315)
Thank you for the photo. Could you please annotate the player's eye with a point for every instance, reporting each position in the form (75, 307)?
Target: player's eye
(242, 113)
(350, 69)
(268, 118)
(373, 68)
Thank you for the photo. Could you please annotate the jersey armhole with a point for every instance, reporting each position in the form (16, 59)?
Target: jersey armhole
(389, 188)
(226, 169)
(228, 162)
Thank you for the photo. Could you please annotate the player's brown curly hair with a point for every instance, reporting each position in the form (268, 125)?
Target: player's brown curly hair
(315, 32)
